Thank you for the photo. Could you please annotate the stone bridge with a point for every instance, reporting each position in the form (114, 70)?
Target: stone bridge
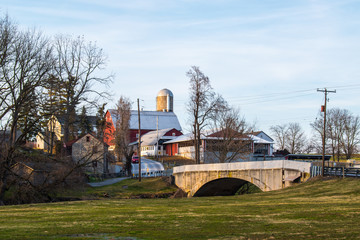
(222, 179)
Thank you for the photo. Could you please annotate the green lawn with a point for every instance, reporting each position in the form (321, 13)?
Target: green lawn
(314, 210)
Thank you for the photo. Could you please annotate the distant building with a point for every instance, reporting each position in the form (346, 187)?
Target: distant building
(263, 144)
(55, 131)
(152, 142)
(149, 120)
(91, 153)
(260, 146)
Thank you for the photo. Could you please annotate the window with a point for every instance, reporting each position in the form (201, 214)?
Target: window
(87, 138)
(174, 134)
(137, 135)
(94, 149)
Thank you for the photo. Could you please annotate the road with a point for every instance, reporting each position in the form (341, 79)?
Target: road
(149, 168)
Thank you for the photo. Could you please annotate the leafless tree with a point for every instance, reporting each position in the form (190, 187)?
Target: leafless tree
(336, 121)
(229, 141)
(77, 69)
(26, 59)
(202, 104)
(122, 133)
(342, 132)
(295, 138)
(351, 134)
(280, 133)
(318, 134)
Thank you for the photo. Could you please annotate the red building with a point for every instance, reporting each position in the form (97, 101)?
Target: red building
(150, 121)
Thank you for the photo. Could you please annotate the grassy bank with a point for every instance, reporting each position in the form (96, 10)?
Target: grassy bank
(129, 188)
(314, 210)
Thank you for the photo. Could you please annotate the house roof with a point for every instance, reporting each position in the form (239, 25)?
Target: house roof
(259, 132)
(148, 120)
(90, 119)
(182, 138)
(70, 143)
(257, 139)
(151, 138)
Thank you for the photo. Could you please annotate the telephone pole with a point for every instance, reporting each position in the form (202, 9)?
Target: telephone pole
(139, 147)
(323, 109)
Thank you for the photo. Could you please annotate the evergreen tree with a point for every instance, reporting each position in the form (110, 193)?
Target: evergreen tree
(84, 123)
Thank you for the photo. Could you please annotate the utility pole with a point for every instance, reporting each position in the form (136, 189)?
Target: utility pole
(139, 145)
(323, 109)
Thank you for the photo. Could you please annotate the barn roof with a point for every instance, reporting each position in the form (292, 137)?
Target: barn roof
(148, 120)
(152, 137)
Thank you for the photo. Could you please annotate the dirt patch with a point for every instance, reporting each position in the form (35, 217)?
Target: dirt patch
(179, 194)
(151, 195)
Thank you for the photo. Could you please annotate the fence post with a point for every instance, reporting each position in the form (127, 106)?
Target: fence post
(343, 168)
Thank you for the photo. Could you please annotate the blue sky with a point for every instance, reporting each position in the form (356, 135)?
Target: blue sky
(265, 57)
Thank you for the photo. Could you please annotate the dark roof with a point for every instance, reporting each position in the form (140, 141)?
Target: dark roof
(221, 134)
(90, 119)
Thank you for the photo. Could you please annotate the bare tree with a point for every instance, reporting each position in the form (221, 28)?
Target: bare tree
(335, 129)
(229, 141)
(77, 66)
(351, 134)
(202, 104)
(295, 138)
(122, 133)
(280, 133)
(26, 61)
(342, 132)
(318, 134)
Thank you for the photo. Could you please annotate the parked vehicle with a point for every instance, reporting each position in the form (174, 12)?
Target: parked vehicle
(135, 159)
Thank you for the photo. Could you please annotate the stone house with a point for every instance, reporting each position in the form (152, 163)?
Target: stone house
(92, 153)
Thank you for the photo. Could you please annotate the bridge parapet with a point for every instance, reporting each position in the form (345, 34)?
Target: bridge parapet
(267, 175)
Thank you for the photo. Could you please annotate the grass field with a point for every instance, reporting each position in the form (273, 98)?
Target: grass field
(315, 210)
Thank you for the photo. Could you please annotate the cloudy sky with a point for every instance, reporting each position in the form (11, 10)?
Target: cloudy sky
(266, 57)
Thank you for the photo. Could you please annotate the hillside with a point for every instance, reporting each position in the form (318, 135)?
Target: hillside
(319, 209)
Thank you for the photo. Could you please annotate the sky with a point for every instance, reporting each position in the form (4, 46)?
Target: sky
(266, 57)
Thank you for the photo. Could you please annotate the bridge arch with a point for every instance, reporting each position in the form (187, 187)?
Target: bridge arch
(222, 183)
(205, 179)
(221, 187)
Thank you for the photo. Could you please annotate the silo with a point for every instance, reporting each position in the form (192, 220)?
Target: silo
(165, 101)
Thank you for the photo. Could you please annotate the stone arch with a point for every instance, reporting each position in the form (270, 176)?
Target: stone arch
(225, 186)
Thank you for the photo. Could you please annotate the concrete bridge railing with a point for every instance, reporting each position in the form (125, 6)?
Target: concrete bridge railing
(227, 178)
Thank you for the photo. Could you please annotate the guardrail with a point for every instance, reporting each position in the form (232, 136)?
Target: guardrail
(342, 172)
(335, 171)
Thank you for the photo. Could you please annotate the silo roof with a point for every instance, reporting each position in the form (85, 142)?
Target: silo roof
(165, 92)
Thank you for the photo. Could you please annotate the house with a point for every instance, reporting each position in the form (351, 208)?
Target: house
(55, 131)
(91, 153)
(152, 142)
(163, 118)
(263, 144)
(254, 146)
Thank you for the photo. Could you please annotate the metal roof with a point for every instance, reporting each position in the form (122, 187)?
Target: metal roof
(165, 92)
(151, 138)
(148, 120)
(189, 136)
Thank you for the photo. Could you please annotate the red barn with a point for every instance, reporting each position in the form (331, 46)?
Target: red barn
(150, 121)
